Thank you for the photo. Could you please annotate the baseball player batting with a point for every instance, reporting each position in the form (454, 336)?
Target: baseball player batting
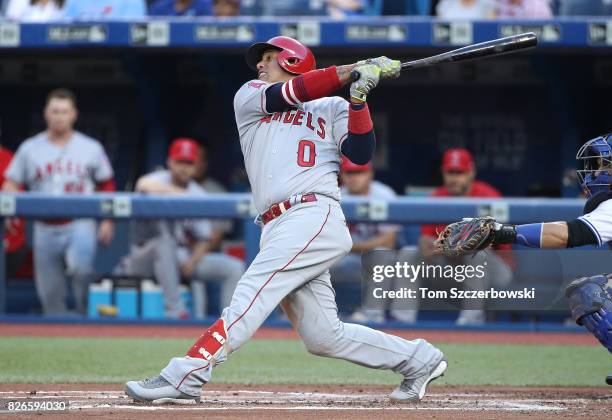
(590, 298)
(292, 134)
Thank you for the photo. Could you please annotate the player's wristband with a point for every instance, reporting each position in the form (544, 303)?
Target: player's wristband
(504, 234)
(359, 120)
(529, 235)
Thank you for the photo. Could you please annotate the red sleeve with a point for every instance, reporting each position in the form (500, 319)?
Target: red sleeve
(5, 159)
(360, 141)
(310, 86)
(359, 120)
(106, 186)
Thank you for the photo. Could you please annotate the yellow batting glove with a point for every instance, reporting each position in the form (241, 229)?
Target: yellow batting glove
(369, 75)
(389, 69)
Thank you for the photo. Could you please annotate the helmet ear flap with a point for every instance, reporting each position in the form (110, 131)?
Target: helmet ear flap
(288, 62)
(283, 59)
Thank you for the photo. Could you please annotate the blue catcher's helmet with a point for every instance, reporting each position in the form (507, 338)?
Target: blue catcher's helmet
(596, 156)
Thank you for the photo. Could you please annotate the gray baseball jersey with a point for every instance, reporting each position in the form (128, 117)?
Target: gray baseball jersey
(288, 153)
(365, 231)
(182, 230)
(292, 152)
(75, 167)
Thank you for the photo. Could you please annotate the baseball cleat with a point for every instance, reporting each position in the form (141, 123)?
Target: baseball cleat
(411, 390)
(155, 389)
(609, 379)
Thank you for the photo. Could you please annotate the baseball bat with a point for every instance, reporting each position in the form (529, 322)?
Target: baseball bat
(486, 49)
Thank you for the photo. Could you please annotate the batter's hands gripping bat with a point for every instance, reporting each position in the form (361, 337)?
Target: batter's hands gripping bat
(486, 49)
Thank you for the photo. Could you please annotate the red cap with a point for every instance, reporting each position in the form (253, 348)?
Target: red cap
(348, 166)
(184, 149)
(457, 160)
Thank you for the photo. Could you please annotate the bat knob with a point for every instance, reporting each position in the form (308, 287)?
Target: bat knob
(355, 75)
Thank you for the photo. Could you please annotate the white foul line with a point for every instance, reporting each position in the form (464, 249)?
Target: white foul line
(306, 401)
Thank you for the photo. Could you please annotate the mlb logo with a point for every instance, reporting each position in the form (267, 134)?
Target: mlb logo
(455, 158)
(186, 148)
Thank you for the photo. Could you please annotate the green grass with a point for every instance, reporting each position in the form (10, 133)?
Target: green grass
(115, 360)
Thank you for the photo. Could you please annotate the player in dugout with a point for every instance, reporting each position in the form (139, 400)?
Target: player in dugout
(60, 161)
(459, 180)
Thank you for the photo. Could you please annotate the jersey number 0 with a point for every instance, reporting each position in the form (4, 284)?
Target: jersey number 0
(306, 153)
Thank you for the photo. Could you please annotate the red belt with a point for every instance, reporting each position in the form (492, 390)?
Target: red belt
(277, 209)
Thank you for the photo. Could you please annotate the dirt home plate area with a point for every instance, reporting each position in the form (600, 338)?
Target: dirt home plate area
(233, 401)
(276, 401)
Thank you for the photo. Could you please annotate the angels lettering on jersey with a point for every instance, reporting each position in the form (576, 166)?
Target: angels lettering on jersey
(299, 117)
(66, 174)
(75, 167)
(296, 151)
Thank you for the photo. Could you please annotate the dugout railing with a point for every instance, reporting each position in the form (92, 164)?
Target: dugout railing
(403, 210)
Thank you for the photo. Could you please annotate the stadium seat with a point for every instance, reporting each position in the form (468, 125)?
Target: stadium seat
(406, 8)
(299, 7)
(282, 8)
(585, 8)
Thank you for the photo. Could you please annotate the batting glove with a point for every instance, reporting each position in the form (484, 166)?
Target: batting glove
(389, 69)
(369, 75)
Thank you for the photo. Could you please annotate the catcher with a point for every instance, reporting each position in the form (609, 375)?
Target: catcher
(590, 298)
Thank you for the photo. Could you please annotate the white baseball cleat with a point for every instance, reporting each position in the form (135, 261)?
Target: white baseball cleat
(411, 390)
(156, 389)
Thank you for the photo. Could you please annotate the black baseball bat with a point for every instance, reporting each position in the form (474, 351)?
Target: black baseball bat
(486, 49)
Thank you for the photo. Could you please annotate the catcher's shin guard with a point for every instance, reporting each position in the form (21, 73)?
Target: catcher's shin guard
(211, 345)
(590, 300)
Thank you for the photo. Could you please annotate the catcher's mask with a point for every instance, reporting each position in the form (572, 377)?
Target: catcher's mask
(596, 157)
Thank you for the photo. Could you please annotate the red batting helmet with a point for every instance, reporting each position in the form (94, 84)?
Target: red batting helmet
(294, 57)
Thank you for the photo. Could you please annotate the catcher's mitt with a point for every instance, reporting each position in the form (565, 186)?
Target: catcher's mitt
(466, 237)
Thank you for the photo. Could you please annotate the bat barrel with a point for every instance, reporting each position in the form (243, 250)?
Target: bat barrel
(497, 47)
(491, 48)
